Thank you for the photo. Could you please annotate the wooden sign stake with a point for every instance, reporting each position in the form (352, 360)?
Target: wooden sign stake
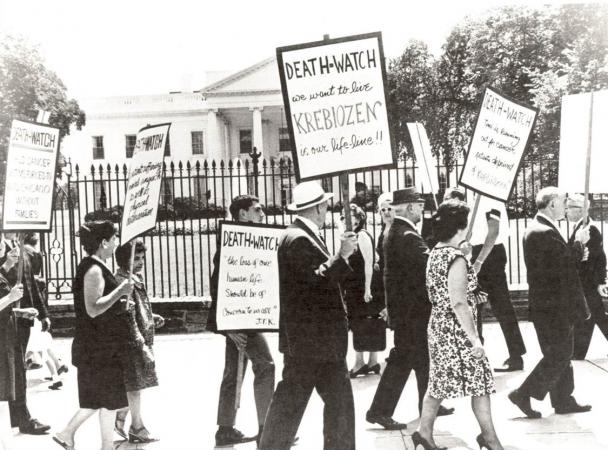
(588, 163)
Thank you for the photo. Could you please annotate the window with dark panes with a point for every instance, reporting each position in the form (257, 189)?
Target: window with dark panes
(168, 147)
(98, 152)
(130, 144)
(197, 142)
(245, 139)
(284, 141)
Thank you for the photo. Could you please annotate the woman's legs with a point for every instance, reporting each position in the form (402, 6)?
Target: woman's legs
(134, 398)
(359, 362)
(6, 433)
(373, 359)
(483, 413)
(106, 425)
(67, 434)
(430, 406)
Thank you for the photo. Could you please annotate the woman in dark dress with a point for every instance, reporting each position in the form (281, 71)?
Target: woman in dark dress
(358, 295)
(139, 366)
(9, 350)
(100, 336)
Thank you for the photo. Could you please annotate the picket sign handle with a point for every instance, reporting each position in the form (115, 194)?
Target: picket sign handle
(475, 208)
(21, 256)
(588, 164)
(426, 167)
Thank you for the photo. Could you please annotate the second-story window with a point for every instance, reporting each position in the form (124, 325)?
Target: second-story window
(98, 152)
(130, 144)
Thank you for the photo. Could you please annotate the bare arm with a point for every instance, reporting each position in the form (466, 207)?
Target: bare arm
(457, 288)
(94, 285)
(14, 294)
(488, 244)
(367, 251)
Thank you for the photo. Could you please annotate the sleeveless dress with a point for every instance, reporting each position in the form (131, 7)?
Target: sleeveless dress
(99, 345)
(9, 347)
(454, 371)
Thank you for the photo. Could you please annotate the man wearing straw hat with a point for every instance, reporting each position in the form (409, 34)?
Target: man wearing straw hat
(313, 331)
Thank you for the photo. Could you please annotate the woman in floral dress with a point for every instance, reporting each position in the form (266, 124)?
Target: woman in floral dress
(458, 364)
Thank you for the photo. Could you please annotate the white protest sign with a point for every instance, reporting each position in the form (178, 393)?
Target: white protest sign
(335, 104)
(427, 172)
(574, 134)
(498, 144)
(145, 177)
(30, 177)
(248, 280)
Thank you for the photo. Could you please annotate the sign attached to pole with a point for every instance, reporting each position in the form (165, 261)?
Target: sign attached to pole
(248, 280)
(577, 119)
(424, 157)
(335, 104)
(144, 182)
(29, 189)
(499, 141)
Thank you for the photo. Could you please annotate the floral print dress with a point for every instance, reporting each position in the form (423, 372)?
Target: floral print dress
(454, 371)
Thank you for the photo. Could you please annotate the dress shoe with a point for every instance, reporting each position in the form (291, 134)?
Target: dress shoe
(374, 369)
(511, 365)
(56, 385)
(443, 411)
(523, 403)
(572, 408)
(385, 421)
(363, 370)
(417, 440)
(231, 436)
(62, 369)
(34, 427)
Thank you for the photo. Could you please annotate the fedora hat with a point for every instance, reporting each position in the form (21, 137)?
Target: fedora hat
(407, 195)
(308, 194)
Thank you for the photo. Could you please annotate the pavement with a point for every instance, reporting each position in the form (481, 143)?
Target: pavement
(182, 410)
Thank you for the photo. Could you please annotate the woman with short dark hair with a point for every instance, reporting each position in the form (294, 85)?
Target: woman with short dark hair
(138, 363)
(458, 364)
(100, 336)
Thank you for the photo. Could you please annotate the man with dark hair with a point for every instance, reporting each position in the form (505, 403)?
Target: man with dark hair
(244, 208)
(556, 302)
(409, 310)
(489, 233)
(362, 198)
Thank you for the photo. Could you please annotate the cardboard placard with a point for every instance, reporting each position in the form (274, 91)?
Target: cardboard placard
(500, 138)
(335, 104)
(427, 178)
(248, 281)
(144, 182)
(574, 135)
(29, 190)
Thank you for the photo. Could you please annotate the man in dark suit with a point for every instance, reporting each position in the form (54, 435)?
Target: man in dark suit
(313, 331)
(592, 272)
(409, 309)
(250, 345)
(30, 306)
(556, 301)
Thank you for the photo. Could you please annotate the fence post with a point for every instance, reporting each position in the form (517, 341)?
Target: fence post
(255, 157)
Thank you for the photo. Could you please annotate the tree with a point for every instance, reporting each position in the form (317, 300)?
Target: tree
(26, 85)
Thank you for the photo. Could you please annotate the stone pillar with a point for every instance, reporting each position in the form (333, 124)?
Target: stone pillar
(214, 141)
(258, 140)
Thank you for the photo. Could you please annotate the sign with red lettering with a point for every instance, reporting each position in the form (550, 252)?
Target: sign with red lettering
(143, 185)
(31, 163)
(335, 104)
(499, 141)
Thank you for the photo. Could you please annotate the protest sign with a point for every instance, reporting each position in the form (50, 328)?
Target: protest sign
(335, 104)
(584, 137)
(29, 188)
(144, 182)
(427, 178)
(248, 280)
(500, 138)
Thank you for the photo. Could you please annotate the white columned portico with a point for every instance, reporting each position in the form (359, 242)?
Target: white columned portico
(258, 140)
(214, 141)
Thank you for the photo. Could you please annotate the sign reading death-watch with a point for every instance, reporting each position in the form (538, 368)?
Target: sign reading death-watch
(335, 103)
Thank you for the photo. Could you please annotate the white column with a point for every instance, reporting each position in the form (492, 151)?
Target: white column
(258, 140)
(227, 140)
(214, 142)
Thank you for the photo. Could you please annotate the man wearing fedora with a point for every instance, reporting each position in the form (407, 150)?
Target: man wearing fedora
(313, 331)
(409, 309)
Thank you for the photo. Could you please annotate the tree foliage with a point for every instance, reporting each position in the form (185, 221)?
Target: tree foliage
(26, 85)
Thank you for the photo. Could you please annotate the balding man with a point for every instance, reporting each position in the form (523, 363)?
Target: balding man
(592, 273)
(313, 330)
(556, 301)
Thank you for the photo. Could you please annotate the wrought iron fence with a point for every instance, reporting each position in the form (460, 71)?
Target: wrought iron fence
(195, 196)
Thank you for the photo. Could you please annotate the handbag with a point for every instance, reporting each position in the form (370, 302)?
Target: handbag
(369, 333)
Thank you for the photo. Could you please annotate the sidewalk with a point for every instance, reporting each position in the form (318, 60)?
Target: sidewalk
(182, 410)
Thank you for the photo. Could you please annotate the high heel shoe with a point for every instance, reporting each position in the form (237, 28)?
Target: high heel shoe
(136, 436)
(481, 441)
(419, 440)
(363, 370)
(374, 369)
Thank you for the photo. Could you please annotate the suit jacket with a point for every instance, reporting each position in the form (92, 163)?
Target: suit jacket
(213, 283)
(405, 257)
(554, 285)
(313, 315)
(592, 272)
